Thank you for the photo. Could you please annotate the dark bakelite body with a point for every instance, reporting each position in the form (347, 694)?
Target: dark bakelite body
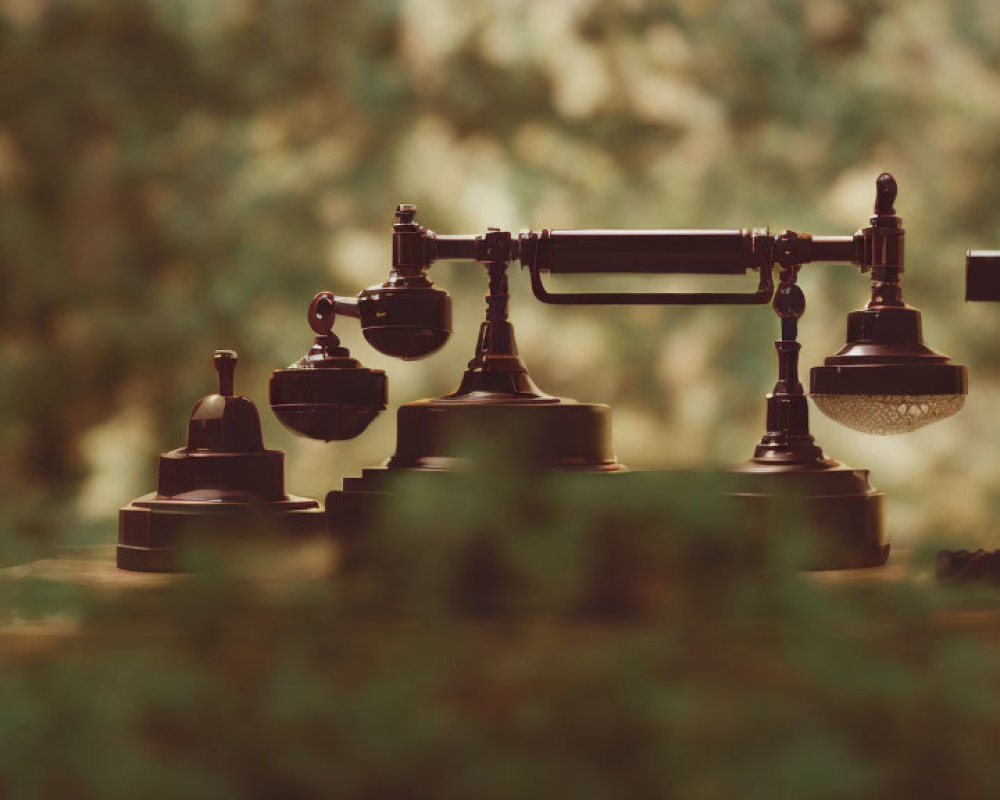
(438, 437)
(223, 486)
(405, 318)
(884, 353)
(833, 505)
(333, 400)
(790, 486)
(788, 482)
(497, 395)
(326, 394)
(497, 399)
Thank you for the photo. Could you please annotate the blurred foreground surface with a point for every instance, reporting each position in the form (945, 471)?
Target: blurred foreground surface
(480, 646)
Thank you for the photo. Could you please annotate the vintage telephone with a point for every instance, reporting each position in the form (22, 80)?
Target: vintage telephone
(883, 381)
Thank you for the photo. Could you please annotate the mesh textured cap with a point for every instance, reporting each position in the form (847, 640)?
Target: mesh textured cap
(887, 414)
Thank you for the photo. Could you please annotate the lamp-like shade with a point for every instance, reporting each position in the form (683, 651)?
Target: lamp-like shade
(885, 380)
(886, 414)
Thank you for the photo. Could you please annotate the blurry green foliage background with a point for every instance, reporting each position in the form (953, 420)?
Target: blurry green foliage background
(181, 175)
(177, 176)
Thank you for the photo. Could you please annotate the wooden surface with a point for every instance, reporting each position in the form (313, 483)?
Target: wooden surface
(94, 569)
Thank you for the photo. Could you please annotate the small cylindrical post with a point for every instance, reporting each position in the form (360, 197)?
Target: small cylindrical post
(884, 239)
(225, 365)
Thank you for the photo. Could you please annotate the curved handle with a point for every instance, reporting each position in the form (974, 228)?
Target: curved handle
(322, 312)
(687, 252)
(325, 307)
(765, 289)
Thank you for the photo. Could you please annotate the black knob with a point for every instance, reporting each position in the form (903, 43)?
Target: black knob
(885, 194)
